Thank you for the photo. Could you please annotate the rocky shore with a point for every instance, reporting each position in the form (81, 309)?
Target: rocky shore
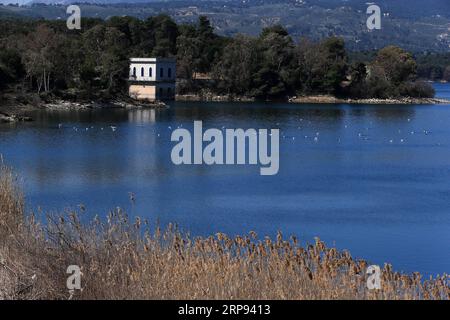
(325, 99)
(319, 99)
(12, 111)
(15, 112)
(212, 98)
(8, 118)
(130, 104)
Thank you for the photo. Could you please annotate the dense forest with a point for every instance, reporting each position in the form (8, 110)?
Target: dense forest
(45, 58)
(434, 66)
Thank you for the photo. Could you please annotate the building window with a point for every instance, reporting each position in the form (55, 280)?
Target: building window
(169, 73)
(134, 72)
(160, 92)
(150, 72)
(169, 91)
(161, 72)
(142, 72)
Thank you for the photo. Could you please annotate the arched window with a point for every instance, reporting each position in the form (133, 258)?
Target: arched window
(169, 73)
(161, 72)
(150, 72)
(142, 72)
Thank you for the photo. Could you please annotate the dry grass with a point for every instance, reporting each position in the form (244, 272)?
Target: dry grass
(121, 259)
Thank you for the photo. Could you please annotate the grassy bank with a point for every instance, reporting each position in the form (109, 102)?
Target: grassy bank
(123, 259)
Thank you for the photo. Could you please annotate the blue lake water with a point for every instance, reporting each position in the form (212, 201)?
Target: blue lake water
(376, 181)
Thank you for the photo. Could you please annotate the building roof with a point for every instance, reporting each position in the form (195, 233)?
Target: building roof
(152, 60)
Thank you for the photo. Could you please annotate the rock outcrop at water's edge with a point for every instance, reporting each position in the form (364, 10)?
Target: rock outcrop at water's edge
(319, 99)
(12, 110)
(4, 117)
(130, 104)
(212, 98)
(326, 99)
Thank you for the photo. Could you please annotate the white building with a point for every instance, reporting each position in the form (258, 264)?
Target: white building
(152, 78)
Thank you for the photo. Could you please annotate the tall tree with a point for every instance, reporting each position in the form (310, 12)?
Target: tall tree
(165, 32)
(398, 64)
(323, 65)
(41, 50)
(235, 69)
(106, 47)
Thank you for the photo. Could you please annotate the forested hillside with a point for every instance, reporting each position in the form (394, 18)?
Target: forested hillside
(415, 25)
(46, 58)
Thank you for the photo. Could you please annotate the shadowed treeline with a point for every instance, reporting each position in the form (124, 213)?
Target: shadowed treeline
(40, 60)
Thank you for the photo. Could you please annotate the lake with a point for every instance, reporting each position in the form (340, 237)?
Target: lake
(373, 179)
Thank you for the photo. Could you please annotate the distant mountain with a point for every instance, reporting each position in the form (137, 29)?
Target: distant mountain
(403, 8)
(416, 25)
(399, 7)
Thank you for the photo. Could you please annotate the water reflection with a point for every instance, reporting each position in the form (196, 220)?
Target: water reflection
(142, 115)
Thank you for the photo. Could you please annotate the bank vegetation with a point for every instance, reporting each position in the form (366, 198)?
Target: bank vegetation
(124, 258)
(43, 61)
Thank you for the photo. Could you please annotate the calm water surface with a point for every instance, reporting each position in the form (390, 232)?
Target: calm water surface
(377, 181)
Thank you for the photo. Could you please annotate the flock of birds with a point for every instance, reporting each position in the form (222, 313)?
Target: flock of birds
(76, 129)
(314, 137)
(361, 135)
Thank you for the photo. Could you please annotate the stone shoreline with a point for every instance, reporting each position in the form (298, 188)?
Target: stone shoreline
(8, 118)
(319, 99)
(13, 112)
(212, 98)
(69, 105)
(333, 100)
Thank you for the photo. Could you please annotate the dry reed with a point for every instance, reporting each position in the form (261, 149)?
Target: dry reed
(122, 259)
